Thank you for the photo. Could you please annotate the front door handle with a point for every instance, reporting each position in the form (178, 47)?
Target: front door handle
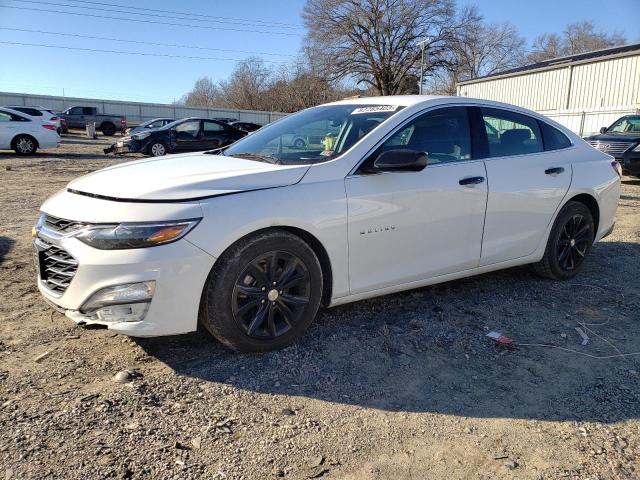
(471, 180)
(554, 170)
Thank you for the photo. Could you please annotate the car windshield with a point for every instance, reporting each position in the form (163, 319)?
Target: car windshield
(626, 125)
(313, 135)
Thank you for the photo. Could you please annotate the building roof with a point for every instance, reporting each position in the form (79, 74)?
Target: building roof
(588, 57)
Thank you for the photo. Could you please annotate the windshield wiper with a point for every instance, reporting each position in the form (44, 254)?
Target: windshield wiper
(260, 157)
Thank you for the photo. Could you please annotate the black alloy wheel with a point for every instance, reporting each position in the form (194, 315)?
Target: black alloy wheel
(573, 244)
(263, 292)
(270, 295)
(569, 243)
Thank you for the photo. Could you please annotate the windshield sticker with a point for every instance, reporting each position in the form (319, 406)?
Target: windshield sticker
(375, 109)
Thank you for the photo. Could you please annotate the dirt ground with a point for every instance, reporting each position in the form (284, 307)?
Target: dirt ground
(401, 387)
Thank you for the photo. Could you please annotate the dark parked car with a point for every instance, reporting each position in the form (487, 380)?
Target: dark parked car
(149, 124)
(622, 141)
(225, 119)
(246, 126)
(186, 135)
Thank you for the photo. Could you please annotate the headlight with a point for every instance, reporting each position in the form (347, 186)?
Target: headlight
(135, 235)
(141, 135)
(637, 149)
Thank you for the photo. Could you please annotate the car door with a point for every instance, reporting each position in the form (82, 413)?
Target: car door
(409, 226)
(214, 135)
(7, 130)
(90, 114)
(526, 184)
(75, 117)
(186, 136)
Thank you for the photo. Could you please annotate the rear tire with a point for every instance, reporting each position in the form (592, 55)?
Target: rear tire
(25, 145)
(569, 243)
(157, 149)
(263, 292)
(108, 129)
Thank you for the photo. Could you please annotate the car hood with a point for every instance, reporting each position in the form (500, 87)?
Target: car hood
(185, 177)
(615, 137)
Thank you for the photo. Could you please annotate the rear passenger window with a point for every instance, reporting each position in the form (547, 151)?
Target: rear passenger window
(510, 133)
(443, 134)
(553, 138)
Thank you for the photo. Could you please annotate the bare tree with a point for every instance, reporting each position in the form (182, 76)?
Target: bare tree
(246, 85)
(546, 46)
(487, 49)
(373, 42)
(576, 38)
(204, 93)
(480, 49)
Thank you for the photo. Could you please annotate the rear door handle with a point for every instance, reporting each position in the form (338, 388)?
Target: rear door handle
(554, 170)
(471, 180)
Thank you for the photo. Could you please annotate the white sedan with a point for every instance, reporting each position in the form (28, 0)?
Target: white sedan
(24, 133)
(252, 239)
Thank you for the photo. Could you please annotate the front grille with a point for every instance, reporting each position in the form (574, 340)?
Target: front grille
(56, 266)
(612, 148)
(61, 225)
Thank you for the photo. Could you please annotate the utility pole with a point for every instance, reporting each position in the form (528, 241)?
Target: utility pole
(422, 45)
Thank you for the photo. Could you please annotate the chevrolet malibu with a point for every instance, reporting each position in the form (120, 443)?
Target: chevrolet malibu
(251, 240)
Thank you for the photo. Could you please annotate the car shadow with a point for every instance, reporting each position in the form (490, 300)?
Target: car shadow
(630, 181)
(6, 244)
(426, 350)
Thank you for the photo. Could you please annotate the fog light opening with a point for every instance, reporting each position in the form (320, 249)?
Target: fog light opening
(130, 312)
(120, 303)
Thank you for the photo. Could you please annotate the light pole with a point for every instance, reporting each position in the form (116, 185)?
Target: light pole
(422, 44)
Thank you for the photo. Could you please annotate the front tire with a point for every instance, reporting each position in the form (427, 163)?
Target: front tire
(25, 145)
(263, 292)
(157, 149)
(569, 243)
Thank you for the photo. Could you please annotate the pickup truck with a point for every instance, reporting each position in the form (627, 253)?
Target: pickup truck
(78, 117)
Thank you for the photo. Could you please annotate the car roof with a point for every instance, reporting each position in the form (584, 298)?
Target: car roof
(399, 100)
(15, 112)
(28, 106)
(159, 118)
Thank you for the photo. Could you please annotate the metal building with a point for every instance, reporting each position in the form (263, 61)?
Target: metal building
(583, 92)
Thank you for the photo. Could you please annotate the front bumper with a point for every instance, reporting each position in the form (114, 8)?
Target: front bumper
(630, 162)
(131, 146)
(180, 270)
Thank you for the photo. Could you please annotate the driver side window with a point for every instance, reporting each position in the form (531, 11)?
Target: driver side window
(443, 134)
(191, 128)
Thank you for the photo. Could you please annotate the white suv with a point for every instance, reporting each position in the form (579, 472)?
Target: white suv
(24, 133)
(252, 239)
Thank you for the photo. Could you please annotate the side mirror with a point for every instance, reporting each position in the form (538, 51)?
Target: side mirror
(400, 161)
(603, 129)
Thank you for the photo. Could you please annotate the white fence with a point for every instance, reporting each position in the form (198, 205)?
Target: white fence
(137, 112)
(588, 122)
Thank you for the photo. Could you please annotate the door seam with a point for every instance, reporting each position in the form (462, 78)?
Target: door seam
(486, 206)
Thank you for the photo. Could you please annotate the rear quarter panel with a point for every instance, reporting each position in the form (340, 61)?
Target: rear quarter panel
(594, 175)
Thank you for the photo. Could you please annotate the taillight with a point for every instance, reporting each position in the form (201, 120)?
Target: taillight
(617, 167)
(53, 119)
(123, 121)
(50, 127)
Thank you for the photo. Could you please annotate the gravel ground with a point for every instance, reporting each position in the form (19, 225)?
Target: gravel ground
(401, 387)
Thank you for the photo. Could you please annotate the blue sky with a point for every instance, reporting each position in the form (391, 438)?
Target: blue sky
(250, 25)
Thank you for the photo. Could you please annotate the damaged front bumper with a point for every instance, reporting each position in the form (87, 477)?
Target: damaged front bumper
(125, 146)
